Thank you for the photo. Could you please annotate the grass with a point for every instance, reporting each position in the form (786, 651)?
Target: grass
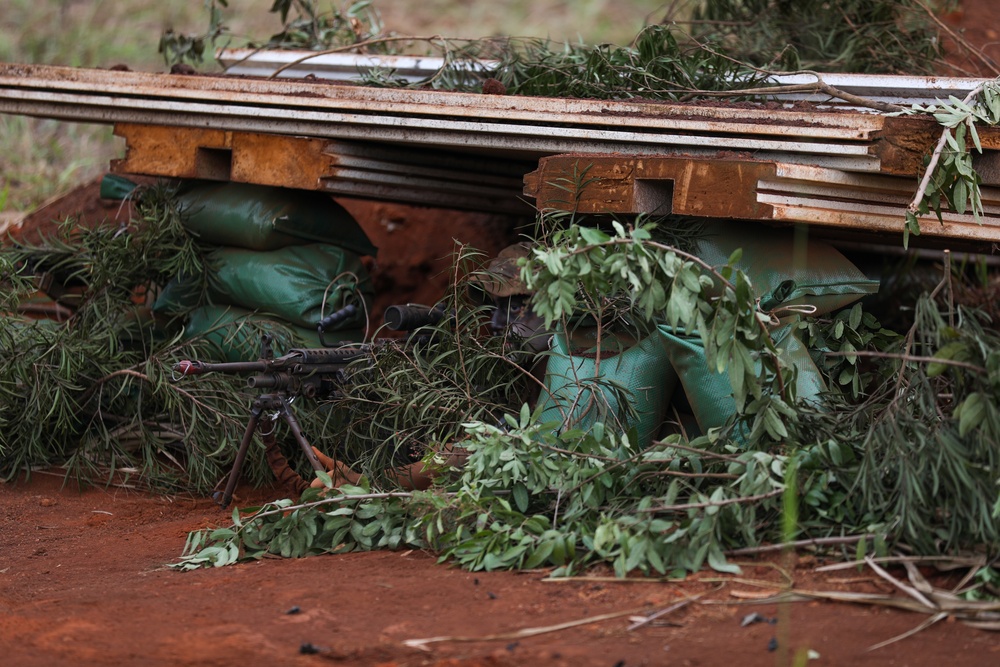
(44, 158)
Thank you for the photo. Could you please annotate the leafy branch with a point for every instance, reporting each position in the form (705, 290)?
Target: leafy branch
(950, 178)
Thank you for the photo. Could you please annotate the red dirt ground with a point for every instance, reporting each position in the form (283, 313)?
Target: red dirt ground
(83, 578)
(83, 582)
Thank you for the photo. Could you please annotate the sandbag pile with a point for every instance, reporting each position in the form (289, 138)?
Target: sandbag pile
(273, 255)
(667, 374)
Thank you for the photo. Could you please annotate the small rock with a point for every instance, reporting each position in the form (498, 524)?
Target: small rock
(493, 87)
(48, 502)
(773, 644)
(294, 610)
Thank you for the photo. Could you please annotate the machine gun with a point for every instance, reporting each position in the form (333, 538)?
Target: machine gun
(314, 373)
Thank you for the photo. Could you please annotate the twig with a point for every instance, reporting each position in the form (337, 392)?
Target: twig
(350, 47)
(703, 452)
(978, 53)
(692, 475)
(718, 503)
(663, 612)
(616, 580)
(330, 501)
(909, 633)
(816, 542)
(951, 288)
(908, 357)
(819, 87)
(909, 590)
(519, 634)
(959, 562)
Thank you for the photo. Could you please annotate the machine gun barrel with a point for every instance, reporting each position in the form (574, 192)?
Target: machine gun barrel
(188, 367)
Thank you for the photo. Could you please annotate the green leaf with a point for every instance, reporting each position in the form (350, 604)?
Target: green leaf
(539, 555)
(717, 561)
(950, 351)
(971, 413)
(593, 236)
(520, 494)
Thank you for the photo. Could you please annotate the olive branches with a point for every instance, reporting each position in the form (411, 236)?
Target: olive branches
(950, 178)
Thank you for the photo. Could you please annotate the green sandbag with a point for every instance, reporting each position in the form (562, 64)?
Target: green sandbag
(574, 399)
(114, 186)
(226, 327)
(784, 268)
(710, 393)
(258, 217)
(179, 296)
(298, 284)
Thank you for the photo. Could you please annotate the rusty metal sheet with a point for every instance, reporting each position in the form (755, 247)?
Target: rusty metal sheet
(299, 94)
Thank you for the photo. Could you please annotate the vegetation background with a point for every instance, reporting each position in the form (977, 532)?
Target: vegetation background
(45, 158)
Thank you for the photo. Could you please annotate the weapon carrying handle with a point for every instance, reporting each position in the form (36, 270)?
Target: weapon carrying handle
(336, 317)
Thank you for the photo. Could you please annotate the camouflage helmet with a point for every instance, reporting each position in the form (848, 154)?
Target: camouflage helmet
(502, 276)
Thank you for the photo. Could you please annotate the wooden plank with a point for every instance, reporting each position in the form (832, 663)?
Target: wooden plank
(319, 164)
(713, 188)
(159, 150)
(837, 201)
(174, 152)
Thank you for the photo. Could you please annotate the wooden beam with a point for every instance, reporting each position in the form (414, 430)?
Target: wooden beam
(741, 188)
(713, 188)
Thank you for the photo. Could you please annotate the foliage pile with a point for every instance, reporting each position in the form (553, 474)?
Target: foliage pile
(866, 36)
(94, 393)
(886, 462)
(730, 41)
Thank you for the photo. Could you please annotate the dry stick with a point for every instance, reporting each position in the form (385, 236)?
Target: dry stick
(951, 288)
(819, 87)
(955, 561)
(328, 501)
(719, 503)
(909, 590)
(978, 53)
(615, 580)
(663, 612)
(909, 633)
(349, 47)
(520, 634)
(816, 542)
(703, 452)
(908, 357)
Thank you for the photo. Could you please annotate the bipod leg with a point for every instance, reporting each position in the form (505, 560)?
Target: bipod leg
(241, 455)
(293, 425)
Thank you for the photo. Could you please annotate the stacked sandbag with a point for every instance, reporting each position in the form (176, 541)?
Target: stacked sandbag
(666, 375)
(275, 255)
(785, 268)
(583, 387)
